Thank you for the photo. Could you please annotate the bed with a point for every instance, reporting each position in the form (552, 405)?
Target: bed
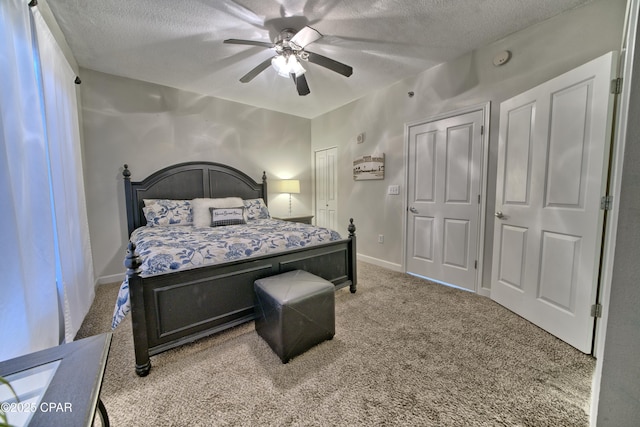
(177, 307)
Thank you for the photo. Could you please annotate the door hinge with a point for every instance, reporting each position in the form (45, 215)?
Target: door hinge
(475, 265)
(616, 85)
(606, 203)
(478, 199)
(482, 130)
(596, 310)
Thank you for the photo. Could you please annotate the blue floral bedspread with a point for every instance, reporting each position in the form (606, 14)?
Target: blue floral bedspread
(172, 248)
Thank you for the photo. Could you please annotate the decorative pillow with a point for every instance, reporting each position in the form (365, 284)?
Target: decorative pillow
(227, 216)
(168, 212)
(201, 213)
(256, 209)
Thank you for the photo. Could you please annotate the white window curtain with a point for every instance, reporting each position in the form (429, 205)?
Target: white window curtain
(28, 294)
(75, 275)
(45, 257)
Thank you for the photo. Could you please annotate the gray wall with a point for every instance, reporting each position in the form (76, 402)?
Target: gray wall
(539, 53)
(619, 400)
(149, 127)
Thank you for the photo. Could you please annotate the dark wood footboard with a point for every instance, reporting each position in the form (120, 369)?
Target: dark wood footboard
(172, 309)
(180, 307)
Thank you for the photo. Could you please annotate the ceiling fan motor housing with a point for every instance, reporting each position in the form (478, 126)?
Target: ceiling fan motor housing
(283, 45)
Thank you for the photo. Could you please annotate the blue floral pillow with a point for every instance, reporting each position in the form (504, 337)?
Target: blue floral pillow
(168, 212)
(256, 209)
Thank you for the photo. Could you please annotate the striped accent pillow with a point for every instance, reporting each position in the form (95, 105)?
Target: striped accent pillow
(227, 216)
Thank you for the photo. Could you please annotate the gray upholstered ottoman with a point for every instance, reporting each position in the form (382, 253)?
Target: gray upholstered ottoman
(296, 310)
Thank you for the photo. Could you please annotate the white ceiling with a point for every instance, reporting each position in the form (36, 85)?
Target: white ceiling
(179, 43)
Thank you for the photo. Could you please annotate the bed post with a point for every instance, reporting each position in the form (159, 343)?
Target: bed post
(140, 343)
(264, 188)
(128, 201)
(353, 256)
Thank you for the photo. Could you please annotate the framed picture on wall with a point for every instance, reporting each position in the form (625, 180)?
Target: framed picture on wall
(368, 167)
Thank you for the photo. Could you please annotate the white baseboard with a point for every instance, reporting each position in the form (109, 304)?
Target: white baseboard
(103, 280)
(381, 263)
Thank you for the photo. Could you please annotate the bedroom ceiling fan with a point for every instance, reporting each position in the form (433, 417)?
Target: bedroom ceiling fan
(290, 52)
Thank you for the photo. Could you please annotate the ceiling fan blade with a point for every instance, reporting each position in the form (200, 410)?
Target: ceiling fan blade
(301, 84)
(305, 36)
(249, 42)
(257, 70)
(329, 63)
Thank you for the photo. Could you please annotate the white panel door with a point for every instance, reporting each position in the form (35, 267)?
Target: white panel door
(443, 198)
(552, 164)
(326, 176)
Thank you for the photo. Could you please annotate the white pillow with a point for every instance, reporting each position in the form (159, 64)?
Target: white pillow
(202, 214)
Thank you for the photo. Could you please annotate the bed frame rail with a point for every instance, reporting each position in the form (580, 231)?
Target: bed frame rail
(172, 309)
(175, 308)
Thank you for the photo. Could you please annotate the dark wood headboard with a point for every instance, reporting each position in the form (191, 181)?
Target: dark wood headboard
(186, 181)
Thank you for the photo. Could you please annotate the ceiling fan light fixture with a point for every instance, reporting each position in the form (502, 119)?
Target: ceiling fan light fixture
(285, 65)
(290, 50)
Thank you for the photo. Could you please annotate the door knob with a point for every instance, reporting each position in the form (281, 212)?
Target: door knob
(499, 215)
(413, 210)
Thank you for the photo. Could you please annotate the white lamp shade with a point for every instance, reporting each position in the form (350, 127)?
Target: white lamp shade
(291, 186)
(285, 65)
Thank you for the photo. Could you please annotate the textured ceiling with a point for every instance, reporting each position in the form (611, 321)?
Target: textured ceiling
(179, 43)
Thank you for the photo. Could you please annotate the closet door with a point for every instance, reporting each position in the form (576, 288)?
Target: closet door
(444, 199)
(326, 177)
(552, 166)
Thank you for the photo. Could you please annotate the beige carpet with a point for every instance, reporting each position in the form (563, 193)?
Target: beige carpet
(406, 352)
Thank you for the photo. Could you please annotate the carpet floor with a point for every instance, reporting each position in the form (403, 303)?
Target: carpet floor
(406, 352)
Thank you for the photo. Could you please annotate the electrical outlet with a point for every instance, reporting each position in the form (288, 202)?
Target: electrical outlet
(380, 238)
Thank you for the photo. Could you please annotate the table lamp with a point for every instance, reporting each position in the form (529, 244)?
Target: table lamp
(290, 186)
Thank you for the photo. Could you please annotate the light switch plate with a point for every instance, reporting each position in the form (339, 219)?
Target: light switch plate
(393, 190)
